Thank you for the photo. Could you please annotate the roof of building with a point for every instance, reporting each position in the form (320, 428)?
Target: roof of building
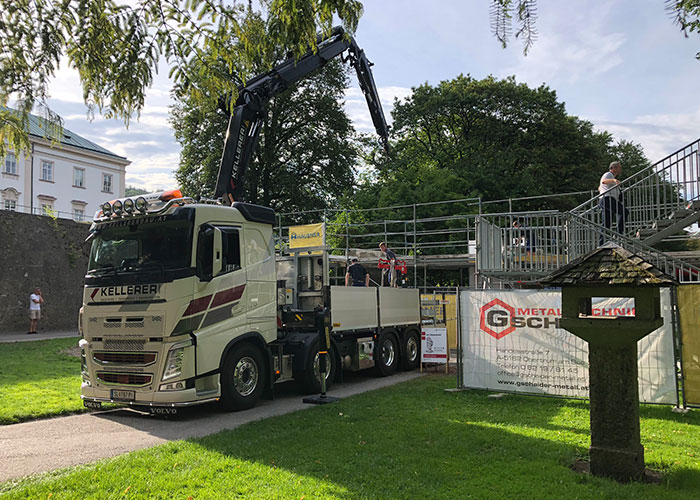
(69, 138)
(609, 264)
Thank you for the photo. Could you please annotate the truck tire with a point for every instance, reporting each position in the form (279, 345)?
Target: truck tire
(242, 377)
(410, 350)
(387, 354)
(309, 380)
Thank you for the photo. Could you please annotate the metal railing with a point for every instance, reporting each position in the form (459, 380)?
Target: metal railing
(47, 212)
(655, 192)
(583, 237)
(528, 245)
(521, 244)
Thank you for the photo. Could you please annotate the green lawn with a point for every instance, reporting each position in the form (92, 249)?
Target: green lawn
(38, 379)
(410, 441)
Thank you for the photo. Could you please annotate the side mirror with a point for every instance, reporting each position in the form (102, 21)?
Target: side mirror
(218, 252)
(205, 245)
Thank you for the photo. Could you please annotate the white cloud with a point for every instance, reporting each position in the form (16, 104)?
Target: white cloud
(569, 58)
(356, 106)
(153, 172)
(659, 134)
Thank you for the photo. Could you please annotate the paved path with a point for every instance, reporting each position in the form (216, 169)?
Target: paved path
(45, 445)
(42, 335)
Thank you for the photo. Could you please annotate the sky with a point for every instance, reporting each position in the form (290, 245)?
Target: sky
(621, 64)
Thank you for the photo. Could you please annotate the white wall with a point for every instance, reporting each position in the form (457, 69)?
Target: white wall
(61, 192)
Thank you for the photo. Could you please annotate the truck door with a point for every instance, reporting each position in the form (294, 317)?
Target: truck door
(261, 301)
(221, 290)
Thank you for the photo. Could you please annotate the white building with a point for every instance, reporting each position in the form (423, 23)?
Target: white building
(70, 179)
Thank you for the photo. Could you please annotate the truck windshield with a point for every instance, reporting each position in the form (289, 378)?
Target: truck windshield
(138, 246)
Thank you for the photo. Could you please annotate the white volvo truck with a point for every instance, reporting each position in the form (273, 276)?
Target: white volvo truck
(187, 303)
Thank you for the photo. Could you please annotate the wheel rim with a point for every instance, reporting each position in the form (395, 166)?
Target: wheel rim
(245, 376)
(317, 367)
(388, 352)
(412, 349)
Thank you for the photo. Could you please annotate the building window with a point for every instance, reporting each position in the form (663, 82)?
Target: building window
(10, 197)
(78, 177)
(10, 164)
(47, 171)
(107, 183)
(46, 205)
(78, 214)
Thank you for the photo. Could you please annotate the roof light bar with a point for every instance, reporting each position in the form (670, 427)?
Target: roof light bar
(151, 202)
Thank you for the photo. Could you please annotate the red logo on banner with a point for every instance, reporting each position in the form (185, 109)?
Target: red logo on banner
(497, 314)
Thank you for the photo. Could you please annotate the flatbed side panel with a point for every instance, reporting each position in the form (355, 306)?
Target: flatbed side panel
(353, 308)
(399, 306)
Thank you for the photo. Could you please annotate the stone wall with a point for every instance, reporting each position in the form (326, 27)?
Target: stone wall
(45, 252)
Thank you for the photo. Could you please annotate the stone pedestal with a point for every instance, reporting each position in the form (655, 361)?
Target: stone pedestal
(616, 450)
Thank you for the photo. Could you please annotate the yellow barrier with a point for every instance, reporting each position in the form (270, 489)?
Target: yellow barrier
(689, 309)
(447, 309)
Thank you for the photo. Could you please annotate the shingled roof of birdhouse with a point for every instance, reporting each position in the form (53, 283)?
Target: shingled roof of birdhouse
(609, 264)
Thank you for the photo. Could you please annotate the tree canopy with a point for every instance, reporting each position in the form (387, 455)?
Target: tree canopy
(116, 48)
(306, 149)
(490, 138)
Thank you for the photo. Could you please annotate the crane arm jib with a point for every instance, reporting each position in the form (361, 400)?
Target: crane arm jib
(245, 122)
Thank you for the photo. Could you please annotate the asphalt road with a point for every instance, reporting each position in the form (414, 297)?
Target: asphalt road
(45, 445)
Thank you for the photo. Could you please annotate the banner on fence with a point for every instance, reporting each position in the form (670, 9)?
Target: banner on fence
(512, 342)
(433, 345)
(688, 300)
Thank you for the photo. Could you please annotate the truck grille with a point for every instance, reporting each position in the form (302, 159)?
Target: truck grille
(125, 358)
(125, 378)
(125, 345)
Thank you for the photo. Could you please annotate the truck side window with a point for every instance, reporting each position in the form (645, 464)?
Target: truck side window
(230, 240)
(205, 252)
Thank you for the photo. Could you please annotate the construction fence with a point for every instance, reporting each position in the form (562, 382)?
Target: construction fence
(510, 341)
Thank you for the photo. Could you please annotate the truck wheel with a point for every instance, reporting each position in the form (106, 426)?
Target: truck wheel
(242, 378)
(387, 355)
(310, 379)
(410, 352)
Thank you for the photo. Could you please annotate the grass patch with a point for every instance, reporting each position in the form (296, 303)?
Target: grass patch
(38, 379)
(409, 441)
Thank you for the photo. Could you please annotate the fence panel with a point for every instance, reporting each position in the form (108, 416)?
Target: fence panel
(689, 311)
(511, 342)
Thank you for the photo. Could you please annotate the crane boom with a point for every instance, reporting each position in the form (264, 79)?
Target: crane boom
(245, 122)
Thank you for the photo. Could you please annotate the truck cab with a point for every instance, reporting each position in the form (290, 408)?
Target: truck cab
(170, 288)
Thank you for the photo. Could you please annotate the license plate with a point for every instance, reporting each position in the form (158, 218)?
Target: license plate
(119, 395)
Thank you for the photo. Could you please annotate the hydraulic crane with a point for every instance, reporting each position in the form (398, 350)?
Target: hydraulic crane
(245, 122)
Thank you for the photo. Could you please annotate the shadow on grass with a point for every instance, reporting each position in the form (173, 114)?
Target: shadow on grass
(407, 443)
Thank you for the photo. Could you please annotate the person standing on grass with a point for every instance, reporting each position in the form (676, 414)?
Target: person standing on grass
(35, 301)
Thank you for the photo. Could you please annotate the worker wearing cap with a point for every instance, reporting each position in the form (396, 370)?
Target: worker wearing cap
(356, 274)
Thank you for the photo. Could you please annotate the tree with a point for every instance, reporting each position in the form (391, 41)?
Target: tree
(685, 13)
(116, 49)
(306, 151)
(492, 139)
(134, 191)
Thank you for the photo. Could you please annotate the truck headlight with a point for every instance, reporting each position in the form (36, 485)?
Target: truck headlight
(173, 365)
(80, 322)
(83, 361)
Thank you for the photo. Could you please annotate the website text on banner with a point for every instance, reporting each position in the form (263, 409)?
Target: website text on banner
(688, 300)
(512, 342)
